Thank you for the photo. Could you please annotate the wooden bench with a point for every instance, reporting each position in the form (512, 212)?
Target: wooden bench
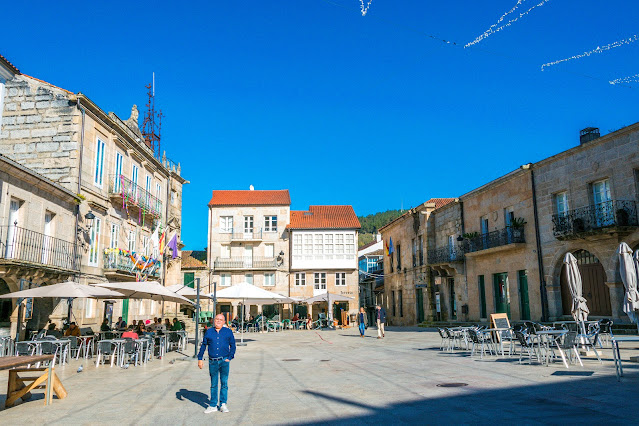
(20, 386)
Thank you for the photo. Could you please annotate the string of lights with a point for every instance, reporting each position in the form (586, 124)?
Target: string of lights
(629, 79)
(598, 49)
(493, 30)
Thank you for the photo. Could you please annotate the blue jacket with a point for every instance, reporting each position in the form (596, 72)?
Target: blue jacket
(220, 344)
(382, 315)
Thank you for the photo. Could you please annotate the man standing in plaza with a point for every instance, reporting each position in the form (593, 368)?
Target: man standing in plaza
(381, 319)
(221, 345)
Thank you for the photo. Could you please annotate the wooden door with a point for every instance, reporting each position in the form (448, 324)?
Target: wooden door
(595, 290)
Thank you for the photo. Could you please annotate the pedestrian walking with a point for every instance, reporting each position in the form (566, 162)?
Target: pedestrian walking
(381, 320)
(221, 348)
(362, 321)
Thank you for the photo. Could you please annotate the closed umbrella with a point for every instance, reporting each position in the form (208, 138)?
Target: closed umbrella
(628, 272)
(579, 309)
(248, 292)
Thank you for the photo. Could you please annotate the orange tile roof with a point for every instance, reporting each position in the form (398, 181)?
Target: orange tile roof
(325, 217)
(250, 198)
(440, 202)
(189, 262)
(9, 65)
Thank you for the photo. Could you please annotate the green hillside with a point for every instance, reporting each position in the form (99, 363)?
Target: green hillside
(372, 222)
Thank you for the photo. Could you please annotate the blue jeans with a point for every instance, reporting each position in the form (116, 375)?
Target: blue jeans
(362, 328)
(222, 368)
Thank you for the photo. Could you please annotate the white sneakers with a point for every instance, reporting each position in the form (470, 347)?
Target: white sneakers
(223, 408)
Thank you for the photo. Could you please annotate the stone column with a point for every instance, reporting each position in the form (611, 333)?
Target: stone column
(310, 310)
(555, 310)
(617, 293)
(234, 313)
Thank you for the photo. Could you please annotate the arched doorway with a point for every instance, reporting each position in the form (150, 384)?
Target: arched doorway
(6, 305)
(593, 278)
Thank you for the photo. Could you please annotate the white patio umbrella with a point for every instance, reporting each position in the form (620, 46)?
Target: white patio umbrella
(145, 290)
(249, 293)
(628, 272)
(186, 291)
(579, 309)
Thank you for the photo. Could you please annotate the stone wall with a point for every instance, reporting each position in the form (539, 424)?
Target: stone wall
(40, 129)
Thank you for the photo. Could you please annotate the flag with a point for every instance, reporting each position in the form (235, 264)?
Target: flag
(173, 246)
(155, 237)
(391, 249)
(386, 248)
(162, 241)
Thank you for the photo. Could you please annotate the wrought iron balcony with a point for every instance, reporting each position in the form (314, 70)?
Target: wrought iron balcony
(446, 255)
(616, 214)
(25, 246)
(501, 237)
(119, 263)
(241, 263)
(134, 194)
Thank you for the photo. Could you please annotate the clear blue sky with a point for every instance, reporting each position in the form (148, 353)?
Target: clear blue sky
(310, 96)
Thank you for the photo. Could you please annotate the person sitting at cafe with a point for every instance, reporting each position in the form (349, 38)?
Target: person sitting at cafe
(121, 324)
(52, 330)
(149, 332)
(129, 333)
(105, 325)
(177, 325)
(140, 329)
(167, 324)
(158, 326)
(296, 317)
(73, 330)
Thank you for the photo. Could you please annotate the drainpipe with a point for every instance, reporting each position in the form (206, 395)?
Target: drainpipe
(77, 209)
(540, 263)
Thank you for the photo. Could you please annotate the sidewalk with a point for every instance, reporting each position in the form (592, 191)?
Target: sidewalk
(336, 376)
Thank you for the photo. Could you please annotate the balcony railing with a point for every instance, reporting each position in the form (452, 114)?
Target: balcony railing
(493, 239)
(24, 245)
(446, 255)
(253, 235)
(614, 213)
(134, 194)
(123, 263)
(245, 263)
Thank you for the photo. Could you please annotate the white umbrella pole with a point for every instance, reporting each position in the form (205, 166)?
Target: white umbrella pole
(242, 332)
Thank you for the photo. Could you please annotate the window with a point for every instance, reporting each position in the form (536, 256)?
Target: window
(225, 252)
(269, 250)
(340, 278)
(99, 163)
(115, 230)
(414, 241)
(300, 278)
(117, 183)
(94, 250)
(483, 223)
(297, 246)
(248, 278)
(400, 303)
(319, 245)
(421, 250)
(89, 307)
(339, 243)
(350, 243)
(308, 246)
(393, 302)
(561, 203)
(398, 250)
(270, 223)
(131, 242)
(134, 174)
(482, 297)
(509, 216)
(189, 279)
(328, 245)
(269, 280)
(145, 245)
(149, 181)
(248, 224)
(226, 224)
(320, 281)
(225, 280)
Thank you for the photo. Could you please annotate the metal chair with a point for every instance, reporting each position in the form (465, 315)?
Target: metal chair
(443, 333)
(569, 345)
(50, 348)
(589, 340)
(131, 351)
(481, 339)
(526, 344)
(106, 349)
(605, 331)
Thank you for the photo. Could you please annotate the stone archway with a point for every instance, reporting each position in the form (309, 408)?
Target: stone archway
(595, 291)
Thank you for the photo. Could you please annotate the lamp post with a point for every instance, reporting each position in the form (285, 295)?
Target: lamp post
(197, 318)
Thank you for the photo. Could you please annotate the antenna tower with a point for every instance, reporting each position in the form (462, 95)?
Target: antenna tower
(152, 124)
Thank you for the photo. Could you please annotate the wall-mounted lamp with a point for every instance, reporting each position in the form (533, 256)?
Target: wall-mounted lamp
(89, 217)
(280, 258)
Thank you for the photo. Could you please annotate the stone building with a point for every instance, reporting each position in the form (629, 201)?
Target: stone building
(193, 265)
(125, 187)
(586, 198)
(500, 245)
(405, 270)
(323, 251)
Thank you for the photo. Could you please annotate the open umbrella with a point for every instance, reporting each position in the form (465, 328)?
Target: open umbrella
(329, 298)
(145, 290)
(248, 292)
(186, 291)
(579, 309)
(628, 272)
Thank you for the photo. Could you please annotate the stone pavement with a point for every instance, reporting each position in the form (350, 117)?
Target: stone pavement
(308, 377)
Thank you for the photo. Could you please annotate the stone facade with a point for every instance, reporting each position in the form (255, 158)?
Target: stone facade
(576, 173)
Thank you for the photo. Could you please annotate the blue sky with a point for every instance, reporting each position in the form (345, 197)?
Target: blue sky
(310, 96)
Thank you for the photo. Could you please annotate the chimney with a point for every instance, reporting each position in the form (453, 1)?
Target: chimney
(378, 237)
(588, 134)
(251, 188)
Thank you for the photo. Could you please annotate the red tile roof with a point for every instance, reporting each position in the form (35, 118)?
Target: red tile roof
(325, 217)
(440, 202)
(9, 65)
(250, 198)
(189, 262)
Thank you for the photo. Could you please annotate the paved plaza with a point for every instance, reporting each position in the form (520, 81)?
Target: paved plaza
(308, 377)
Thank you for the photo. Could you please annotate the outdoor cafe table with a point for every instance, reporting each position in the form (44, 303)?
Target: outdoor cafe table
(17, 388)
(615, 351)
(552, 335)
(496, 331)
(119, 343)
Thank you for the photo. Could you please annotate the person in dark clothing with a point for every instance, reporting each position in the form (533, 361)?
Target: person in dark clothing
(221, 349)
(362, 321)
(381, 320)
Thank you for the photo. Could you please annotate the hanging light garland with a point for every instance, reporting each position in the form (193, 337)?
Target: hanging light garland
(494, 29)
(630, 79)
(598, 49)
(365, 8)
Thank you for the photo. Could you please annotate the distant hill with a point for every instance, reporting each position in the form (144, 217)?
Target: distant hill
(372, 222)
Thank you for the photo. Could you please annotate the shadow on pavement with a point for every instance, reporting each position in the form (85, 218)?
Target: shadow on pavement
(196, 397)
